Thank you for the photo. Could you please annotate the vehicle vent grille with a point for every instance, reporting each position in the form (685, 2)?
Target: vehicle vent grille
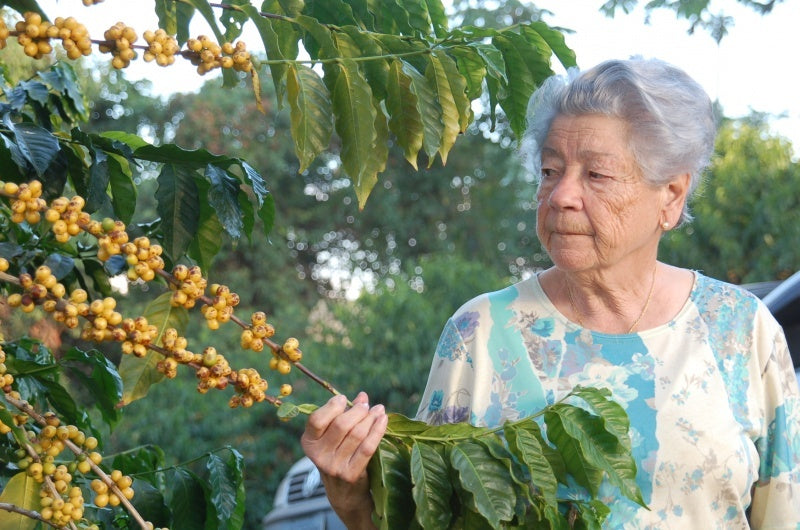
(305, 485)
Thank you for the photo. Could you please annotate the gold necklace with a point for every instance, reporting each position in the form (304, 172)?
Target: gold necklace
(635, 322)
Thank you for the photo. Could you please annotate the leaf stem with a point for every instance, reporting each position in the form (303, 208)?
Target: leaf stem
(27, 513)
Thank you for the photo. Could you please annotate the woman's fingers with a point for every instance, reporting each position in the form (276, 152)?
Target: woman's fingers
(320, 419)
(341, 441)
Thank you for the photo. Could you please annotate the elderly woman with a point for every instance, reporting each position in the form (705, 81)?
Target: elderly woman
(700, 366)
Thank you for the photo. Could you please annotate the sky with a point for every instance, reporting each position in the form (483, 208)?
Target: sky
(751, 70)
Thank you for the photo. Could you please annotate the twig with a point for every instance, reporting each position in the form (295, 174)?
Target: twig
(28, 409)
(27, 513)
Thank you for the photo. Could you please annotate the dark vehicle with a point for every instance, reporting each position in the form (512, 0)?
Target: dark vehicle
(784, 302)
(301, 504)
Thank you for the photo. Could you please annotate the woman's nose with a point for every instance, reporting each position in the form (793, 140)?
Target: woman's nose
(566, 191)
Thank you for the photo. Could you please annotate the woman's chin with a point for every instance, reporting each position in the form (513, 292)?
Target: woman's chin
(571, 260)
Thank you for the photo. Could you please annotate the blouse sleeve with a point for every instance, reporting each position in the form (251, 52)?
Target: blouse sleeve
(447, 396)
(776, 495)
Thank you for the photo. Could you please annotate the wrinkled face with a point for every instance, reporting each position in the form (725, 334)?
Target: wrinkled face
(595, 210)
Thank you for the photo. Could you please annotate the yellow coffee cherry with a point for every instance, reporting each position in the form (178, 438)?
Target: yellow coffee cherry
(101, 500)
(283, 366)
(290, 348)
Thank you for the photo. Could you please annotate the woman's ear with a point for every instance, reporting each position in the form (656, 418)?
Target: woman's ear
(675, 195)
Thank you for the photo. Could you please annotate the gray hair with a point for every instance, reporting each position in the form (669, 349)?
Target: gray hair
(670, 116)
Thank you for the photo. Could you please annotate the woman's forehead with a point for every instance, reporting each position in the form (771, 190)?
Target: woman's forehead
(590, 136)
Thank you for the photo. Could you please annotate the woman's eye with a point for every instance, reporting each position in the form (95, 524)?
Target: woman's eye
(594, 175)
(548, 172)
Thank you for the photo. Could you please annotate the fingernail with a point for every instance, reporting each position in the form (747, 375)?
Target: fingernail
(378, 409)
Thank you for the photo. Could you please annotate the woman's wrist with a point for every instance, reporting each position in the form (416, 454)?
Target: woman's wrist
(356, 514)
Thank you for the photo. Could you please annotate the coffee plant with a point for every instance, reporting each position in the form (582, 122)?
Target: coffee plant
(67, 204)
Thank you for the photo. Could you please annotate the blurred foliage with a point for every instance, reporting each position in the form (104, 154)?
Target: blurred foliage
(700, 14)
(747, 213)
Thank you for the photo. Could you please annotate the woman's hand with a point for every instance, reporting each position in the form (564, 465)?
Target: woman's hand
(340, 442)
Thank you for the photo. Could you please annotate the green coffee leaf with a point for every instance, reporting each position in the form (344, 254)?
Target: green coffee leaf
(390, 484)
(208, 240)
(432, 489)
(614, 416)
(428, 108)
(575, 460)
(525, 68)
(486, 481)
(525, 446)
(598, 448)
(178, 206)
(37, 145)
(21, 490)
(472, 69)
(150, 503)
(227, 495)
(223, 197)
(403, 427)
(405, 120)
(555, 40)
(100, 379)
(123, 190)
(138, 375)
(186, 499)
(355, 124)
(311, 113)
(592, 514)
(280, 42)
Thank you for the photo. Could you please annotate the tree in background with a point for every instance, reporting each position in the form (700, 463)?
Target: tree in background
(747, 215)
(426, 241)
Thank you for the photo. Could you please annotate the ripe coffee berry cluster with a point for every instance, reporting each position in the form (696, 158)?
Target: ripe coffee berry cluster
(189, 287)
(33, 35)
(74, 37)
(67, 217)
(139, 334)
(62, 502)
(161, 47)
(27, 203)
(6, 379)
(104, 496)
(250, 388)
(119, 40)
(221, 307)
(282, 360)
(143, 258)
(208, 55)
(42, 288)
(252, 337)
(61, 511)
(102, 321)
(214, 371)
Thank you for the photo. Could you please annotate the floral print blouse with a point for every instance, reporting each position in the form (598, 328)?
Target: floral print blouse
(712, 398)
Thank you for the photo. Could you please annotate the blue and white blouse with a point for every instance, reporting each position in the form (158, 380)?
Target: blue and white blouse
(712, 398)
